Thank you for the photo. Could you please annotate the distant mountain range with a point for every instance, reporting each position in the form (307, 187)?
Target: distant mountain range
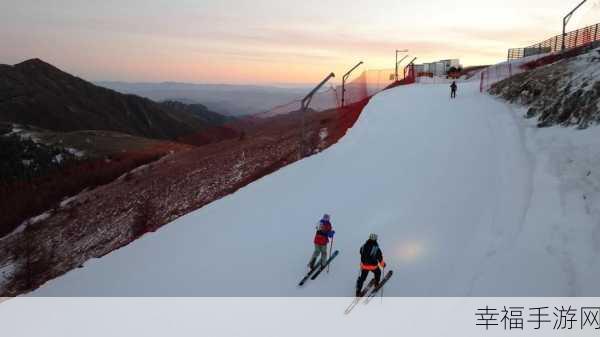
(36, 93)
(232, 100)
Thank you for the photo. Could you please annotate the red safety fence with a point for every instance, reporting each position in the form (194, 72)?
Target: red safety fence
(572, 39)
(546, 52)
(504, 70)
(326, 104)
(495, 73)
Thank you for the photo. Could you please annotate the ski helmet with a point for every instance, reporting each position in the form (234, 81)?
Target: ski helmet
(326, 217)
(373, 236)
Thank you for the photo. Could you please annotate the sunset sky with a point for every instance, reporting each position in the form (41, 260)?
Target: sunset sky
(268, 41)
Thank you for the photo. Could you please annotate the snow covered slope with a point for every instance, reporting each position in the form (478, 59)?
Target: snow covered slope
(460, 205)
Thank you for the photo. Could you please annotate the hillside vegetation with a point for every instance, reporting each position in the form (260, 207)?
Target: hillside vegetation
(566, 92)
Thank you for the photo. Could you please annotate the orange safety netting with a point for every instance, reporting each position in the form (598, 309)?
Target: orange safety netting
(498, 72)
(355, 94)
(367, 84)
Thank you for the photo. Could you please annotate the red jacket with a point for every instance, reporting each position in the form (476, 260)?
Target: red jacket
(324, 232)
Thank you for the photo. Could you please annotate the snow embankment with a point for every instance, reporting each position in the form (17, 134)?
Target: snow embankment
(462, 193)
(566, 202)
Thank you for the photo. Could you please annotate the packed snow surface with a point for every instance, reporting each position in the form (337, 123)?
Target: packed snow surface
(468, 199)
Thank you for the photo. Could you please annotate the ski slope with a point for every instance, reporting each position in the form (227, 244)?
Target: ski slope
(450, 187)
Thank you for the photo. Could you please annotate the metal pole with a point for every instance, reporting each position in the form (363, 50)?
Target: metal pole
(383, 275)
(396, 72)
(304, 107)
(330, 251)
(566, 20)
(402, 59)
(399, 51)
(344, 81)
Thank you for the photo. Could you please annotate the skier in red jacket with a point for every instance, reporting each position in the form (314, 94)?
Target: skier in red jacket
(324, 232)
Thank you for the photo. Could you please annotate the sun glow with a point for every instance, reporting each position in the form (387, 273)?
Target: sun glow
(409, 251)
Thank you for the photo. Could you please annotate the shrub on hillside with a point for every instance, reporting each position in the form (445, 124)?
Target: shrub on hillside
(23, 159)
(27, 198)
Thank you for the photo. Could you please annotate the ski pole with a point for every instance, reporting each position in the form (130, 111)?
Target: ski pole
(383, 285)
(330, 250)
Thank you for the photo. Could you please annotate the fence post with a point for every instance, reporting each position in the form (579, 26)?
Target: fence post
(555, 43)
(410, 67)
(596, 32)
(576, 36)
(481, 82)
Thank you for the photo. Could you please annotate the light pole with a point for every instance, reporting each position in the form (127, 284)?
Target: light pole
(344, 81)
(398, 65)
(304, 109)
(399, 51)
(566, 20)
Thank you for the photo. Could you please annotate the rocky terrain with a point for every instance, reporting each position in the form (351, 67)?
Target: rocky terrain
(565, 92)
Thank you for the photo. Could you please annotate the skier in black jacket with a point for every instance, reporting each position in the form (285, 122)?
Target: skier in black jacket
(371, 259)
(453, 88)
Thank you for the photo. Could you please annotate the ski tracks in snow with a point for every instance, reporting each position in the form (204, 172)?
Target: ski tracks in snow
(513, 167)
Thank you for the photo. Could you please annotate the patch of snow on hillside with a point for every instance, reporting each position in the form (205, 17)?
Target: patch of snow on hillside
(584, 71)
(323, 133)
(6, 273)
(30, 221)
(75, 152)
(69, 200)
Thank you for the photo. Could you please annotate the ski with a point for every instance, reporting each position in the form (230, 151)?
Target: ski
(370, 296)
(326, 264)
(318, 269)
(357, 298)
(307, 276)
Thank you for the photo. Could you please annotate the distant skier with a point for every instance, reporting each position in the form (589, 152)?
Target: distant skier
(453, 88)
(371, 259)
(324, 233)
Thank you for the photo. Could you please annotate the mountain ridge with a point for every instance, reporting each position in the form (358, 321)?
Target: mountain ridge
(35, 92)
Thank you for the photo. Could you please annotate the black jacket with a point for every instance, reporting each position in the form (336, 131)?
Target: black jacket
(370, 253)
